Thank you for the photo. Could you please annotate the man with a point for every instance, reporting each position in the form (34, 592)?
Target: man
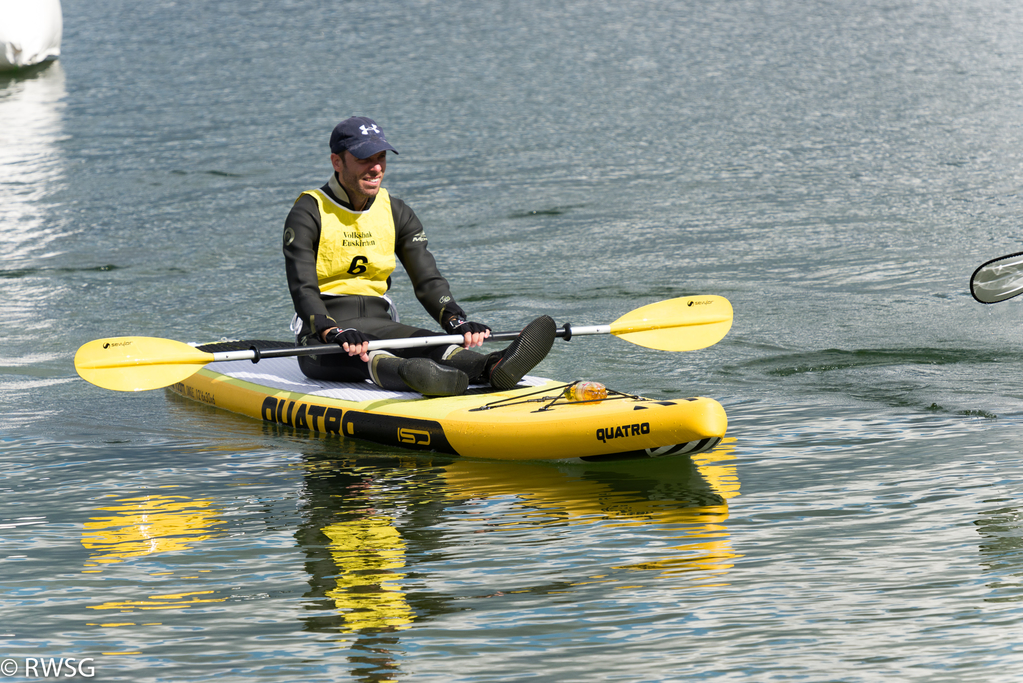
(340, 246)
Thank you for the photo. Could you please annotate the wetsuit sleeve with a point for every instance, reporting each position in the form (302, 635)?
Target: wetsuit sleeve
(301, 241)
(413, 251)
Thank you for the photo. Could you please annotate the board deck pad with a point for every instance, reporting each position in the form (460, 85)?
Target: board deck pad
(284, 374)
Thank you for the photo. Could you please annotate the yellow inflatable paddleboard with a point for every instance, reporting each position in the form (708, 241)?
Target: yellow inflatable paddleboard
(540, 419)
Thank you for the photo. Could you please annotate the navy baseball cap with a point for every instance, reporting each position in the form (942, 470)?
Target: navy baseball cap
(360, 136)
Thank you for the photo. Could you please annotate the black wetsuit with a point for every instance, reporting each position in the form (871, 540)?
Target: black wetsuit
(368, 314)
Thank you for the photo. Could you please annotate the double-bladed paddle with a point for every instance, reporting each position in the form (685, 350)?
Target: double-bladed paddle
(998, 279)
(142, 363)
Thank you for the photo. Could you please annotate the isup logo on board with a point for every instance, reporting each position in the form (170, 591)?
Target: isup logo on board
(416, 437)
(385, 429)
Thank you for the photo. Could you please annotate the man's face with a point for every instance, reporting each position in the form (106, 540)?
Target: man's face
(360, 177)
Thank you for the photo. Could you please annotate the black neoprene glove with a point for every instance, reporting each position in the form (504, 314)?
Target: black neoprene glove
(456, 325)
(340, 337)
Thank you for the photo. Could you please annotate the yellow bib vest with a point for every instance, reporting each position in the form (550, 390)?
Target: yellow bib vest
(356, 252)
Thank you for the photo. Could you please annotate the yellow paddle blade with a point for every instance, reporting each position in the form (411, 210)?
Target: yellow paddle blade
(683, 324)
(138, 363)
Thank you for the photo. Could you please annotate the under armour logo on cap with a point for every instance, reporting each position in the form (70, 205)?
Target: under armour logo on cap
(360, 136)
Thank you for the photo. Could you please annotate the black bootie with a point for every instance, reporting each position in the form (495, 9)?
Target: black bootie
(418, 374)
(506, 368)
(473, 364)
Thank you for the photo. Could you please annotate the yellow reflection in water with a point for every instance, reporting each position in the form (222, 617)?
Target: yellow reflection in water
(685, 496)
(718, 468)
(146, 525)
(171, 601)
(369, 554)
(712, 555)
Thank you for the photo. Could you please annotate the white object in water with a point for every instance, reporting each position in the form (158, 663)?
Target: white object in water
(30, 32)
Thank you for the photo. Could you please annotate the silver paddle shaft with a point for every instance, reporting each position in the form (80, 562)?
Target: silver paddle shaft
(255, 355)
